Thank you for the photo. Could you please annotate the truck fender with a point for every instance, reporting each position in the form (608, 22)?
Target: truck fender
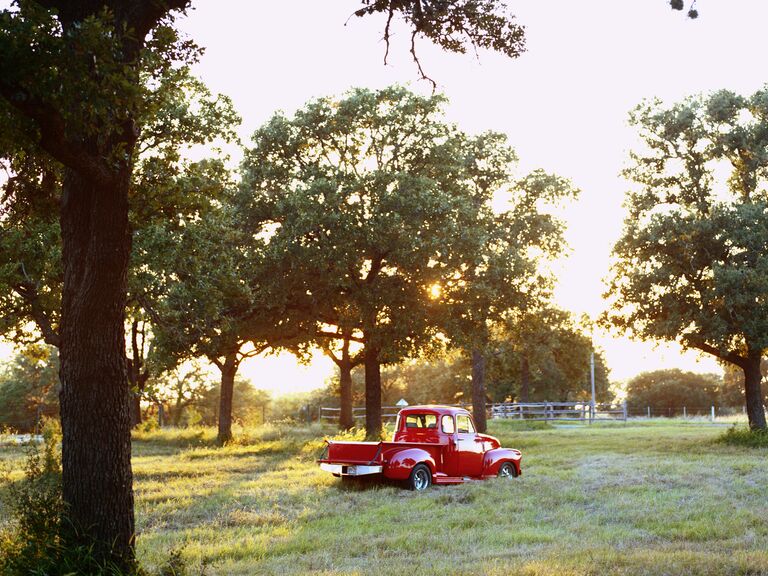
(493, 459)
(400, 463)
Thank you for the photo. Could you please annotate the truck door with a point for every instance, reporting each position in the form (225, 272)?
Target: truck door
(470, 447)
(451, 450)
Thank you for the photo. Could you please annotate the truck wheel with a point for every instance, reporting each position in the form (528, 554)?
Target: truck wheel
(507, 470)
(421, 478)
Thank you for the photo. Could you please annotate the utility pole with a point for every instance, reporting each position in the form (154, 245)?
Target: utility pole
(592, 380)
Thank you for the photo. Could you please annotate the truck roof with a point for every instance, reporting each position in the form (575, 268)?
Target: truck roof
(434, 409)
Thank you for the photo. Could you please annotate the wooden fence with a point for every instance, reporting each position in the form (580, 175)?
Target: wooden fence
(544, 411)
(556, 411)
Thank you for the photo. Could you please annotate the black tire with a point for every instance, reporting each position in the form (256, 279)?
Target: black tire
(507, 470)
(420, 479)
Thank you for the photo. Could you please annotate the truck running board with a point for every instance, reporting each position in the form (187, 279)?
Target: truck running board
(443, 479)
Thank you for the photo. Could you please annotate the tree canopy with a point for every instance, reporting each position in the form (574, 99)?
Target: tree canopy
(691, 263)
(380, 214)
(543, 354)
(666, 392)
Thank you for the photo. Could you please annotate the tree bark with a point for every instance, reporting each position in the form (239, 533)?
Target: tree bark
(478, 390)
(135, 409)
(346, 416)
(228, 372)
(372, 394)
(137, 378)
(525, 379)
(753, 391)
(95, 394)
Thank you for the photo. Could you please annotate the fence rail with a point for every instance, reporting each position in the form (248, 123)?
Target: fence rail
(544, 411)
(559, 411)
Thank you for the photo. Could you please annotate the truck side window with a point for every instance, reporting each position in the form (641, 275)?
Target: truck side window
(464, 424)
(447, 423)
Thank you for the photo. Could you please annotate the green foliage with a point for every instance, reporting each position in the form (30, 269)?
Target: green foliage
(173, 111)
(549, 348)
(442, 380)
(732, 391)
(667, 391)
(29, 388)
(691, 262)
(34, 540)
(739, 436)
(178, 565)
(453, 25)
(31, 544)
(439, 379)
(379, 221)
(249, 404)
(207, 275)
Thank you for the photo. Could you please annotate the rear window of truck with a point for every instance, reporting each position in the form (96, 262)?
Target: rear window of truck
(421, 421)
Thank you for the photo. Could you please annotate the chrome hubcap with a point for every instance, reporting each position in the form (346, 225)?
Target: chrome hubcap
(420, 480)
(506, 471)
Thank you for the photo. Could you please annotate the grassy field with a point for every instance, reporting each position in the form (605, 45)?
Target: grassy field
(653, 498)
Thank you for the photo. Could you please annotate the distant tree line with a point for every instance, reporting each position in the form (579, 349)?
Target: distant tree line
(668, 392)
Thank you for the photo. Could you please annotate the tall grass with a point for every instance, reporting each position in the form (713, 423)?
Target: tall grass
(605, 499)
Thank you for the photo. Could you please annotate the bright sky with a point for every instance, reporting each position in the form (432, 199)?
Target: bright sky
(563, 104)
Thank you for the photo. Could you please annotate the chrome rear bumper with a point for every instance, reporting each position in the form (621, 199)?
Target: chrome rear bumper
(351, 469)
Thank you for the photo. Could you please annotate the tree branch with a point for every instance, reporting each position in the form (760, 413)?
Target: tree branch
(28, 291)
(339, 335)
(53, 137)
(731, 357)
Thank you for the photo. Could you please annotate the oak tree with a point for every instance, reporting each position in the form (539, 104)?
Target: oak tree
(691, 263)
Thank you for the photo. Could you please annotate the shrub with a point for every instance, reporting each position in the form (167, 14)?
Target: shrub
(737, 436)
(36, 508)
(32, 544)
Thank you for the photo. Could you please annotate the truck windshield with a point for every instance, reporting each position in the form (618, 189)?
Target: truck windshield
(420, 421)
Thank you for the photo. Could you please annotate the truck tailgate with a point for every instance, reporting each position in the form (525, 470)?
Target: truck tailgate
(353, 452)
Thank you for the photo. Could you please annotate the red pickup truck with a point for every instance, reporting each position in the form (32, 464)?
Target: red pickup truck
(431, 445)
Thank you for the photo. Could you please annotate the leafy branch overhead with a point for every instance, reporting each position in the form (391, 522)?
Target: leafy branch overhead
(453, 25)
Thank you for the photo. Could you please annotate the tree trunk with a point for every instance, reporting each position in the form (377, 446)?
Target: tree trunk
(525, 379)
(753, 392)
(478, 390)
(135, 409)
(228, 372)
(95, 395)
(135, 376)
(346, 416)
(372, 394)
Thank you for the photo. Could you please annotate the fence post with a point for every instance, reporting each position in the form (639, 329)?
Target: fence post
(685, 414)
(624, 410)
(713, 413)
(649, 411)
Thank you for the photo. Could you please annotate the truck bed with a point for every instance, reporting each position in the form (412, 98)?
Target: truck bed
(372, 453)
